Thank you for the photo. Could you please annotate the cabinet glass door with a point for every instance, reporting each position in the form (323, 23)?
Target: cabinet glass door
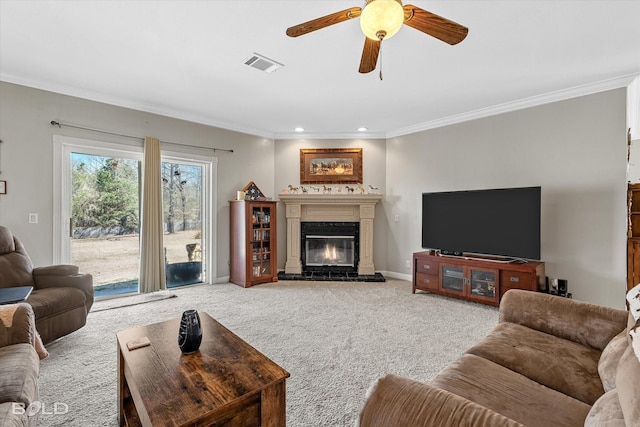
(483, 283)
(261, 241)
(453, 278)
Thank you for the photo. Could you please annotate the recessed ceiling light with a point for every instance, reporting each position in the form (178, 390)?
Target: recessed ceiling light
(362, 129)
(299, 129)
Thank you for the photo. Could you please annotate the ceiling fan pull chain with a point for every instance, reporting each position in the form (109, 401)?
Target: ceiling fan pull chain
(380, 72)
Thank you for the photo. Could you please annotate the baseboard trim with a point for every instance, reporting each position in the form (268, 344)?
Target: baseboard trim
(396, 275)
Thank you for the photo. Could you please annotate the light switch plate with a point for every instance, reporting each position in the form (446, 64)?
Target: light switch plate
(33, 218)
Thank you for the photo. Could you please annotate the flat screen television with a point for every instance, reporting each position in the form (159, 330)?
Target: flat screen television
(502, 222)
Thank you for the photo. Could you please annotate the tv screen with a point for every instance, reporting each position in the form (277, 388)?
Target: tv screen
(503, 222)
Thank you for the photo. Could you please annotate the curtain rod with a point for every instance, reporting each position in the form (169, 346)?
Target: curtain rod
(59, 124)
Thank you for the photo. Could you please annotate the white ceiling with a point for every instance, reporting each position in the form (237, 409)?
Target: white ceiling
(185, 59)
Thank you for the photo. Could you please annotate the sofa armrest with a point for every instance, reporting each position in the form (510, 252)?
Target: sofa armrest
(64, 276)
(17, 324)
(399, 402)
(56, 270)
(587, 324)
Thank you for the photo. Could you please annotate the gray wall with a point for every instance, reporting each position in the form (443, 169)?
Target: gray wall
(26, 158)
(574, 149)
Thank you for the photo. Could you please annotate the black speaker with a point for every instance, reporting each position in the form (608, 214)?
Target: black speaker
(562, 287)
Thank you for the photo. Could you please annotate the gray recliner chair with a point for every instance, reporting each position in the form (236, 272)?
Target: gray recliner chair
(61, 297)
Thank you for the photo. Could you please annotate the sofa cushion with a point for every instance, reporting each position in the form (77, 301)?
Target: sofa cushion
(53, 301)
(19, 368)
(608, 363)
(633, 298)
(510, 393)
(7, 244)
(634, 337)
(399, 402)
(606, 412)
(15, 264)
(557, 363)
(588, 324)
(627, 380)
(11, 418)
(17, 326)
(11, 275)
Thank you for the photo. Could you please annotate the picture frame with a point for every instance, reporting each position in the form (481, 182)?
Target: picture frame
(331, 166)
(3, 187)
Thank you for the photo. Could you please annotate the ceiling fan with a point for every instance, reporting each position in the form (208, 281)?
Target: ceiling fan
(380, 20)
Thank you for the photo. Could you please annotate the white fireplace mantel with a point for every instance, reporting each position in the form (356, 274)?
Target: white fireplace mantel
(330, 207)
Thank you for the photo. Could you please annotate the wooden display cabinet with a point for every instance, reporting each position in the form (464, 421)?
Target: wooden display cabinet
(253, 242)
(474, 279)
(633, 235)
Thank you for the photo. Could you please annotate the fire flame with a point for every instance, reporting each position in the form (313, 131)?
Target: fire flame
(330, 252)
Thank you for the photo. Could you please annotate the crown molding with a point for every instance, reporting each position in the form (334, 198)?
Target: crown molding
(119, 102)
(560, 95)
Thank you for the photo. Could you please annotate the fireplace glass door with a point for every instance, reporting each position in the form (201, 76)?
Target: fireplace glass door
(330, 247)
(332, 251)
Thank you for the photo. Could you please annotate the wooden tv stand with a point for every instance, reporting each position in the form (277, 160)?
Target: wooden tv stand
(473, 278)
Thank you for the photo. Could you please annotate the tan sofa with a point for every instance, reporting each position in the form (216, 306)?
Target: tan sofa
(20, 351)
(62, 297)
(550, 361)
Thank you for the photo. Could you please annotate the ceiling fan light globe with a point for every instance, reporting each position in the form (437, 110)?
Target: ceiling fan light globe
(381, 17)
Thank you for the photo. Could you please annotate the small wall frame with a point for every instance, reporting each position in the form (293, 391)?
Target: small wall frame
(331, 166)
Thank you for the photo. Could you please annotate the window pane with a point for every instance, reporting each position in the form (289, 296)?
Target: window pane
(105, 221)
(182, 209)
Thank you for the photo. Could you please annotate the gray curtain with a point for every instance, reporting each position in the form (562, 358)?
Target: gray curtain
(152, 275)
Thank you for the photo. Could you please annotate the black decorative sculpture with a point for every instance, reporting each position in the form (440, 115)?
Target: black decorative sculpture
(190, 334)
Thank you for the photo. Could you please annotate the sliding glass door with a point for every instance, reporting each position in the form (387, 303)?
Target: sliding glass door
(97, 205)
(105, 220)
(182, 203)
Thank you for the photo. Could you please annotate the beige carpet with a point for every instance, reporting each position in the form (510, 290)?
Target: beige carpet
(121, 302)
(335, 338)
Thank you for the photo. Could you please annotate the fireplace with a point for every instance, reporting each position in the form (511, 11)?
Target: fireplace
(330, 247)
(340, 208)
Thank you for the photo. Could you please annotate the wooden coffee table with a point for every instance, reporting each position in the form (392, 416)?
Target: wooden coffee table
(225, 383)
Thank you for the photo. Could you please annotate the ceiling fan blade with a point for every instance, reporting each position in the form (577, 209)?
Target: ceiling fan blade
(369, 55)
(325, 21)
(434, 25)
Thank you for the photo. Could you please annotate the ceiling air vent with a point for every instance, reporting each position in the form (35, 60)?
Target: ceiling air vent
(262, 63)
